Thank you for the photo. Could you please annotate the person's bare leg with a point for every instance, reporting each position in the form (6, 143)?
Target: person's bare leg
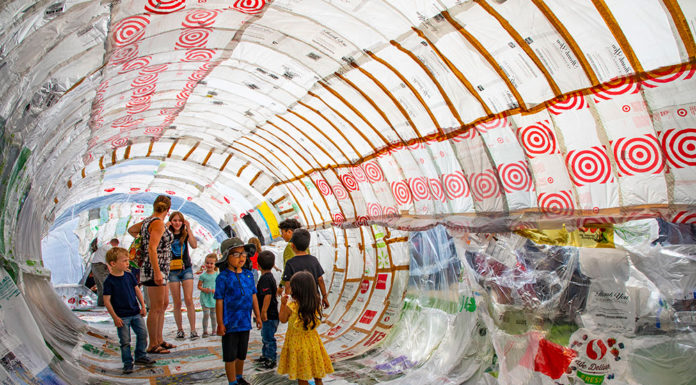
(318, 381)
(188, 300)
(154, 323)
(230, 371)
(239, 366)
(175, 290)
(302, 382)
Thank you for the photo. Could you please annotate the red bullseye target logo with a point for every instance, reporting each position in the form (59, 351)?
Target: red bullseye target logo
(123, 54)
(682, 112)
(194, 55)
(135, 64)
(560, 203)
(130, 30)
(515, 177)
(640, 155)
(200, 18)
(349, 181)
(374, 210)
(436, 190)
(193, 38)
(679, 146)
(163, 7)
(338, 219)
(455, 185)
(626, 108)
(340, 191)
(537, 139)
(685, 217)
(359, 174)
(589, 166)
(323, 187)
(250, 7)
(484, 185)
(419, 188)
(616, 87)
(390, 211)
(153, 131)
(492, 124)
(157, 68)
(401, 192)
(119, 142)
(373, 172)
(570, 102)
(144, 80)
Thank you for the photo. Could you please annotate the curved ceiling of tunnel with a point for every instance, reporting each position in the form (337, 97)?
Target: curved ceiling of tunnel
(360, 111)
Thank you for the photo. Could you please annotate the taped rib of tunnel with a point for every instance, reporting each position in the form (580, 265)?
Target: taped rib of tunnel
(467, 114)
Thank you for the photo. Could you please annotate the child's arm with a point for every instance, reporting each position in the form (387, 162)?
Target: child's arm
(256, 310)
(218, 314)
(324, 294)
(139, 295)
(201, 288)
(117, 320)
(284, 313)
(264, 308)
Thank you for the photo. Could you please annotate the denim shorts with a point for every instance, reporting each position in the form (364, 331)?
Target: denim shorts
(180, 275)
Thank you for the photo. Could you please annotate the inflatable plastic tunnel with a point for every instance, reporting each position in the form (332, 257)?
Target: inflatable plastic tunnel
(499, 191)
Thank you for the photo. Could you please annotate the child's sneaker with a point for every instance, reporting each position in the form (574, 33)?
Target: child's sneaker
(204, 335)
(269, 364)
(145, 361)
(180, 335)
(242, 381)
(261, 360)
(128, 369)
(194, 335)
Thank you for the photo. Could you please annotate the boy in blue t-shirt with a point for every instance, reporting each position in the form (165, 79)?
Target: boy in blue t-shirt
(235, 298)
(121, 298)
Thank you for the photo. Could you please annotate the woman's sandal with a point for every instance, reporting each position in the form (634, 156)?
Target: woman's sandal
(158, 350)
(167, 345)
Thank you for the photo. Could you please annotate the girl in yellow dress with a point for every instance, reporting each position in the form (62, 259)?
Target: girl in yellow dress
(303, 356)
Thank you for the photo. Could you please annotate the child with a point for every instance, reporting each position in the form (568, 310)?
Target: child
(266, 289)
(121, 298)
(303, 356)
(304, 261)
(235, 297)
(206, 284)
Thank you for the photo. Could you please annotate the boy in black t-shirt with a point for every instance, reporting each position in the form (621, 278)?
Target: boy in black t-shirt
(266, 293)
(304, 261)
(121, 298)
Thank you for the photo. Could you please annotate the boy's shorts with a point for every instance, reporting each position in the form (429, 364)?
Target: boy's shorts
(235, 346)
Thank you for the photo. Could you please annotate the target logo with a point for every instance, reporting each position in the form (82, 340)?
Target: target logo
(130, 30)
(144, 80)
(123, 54)
(250, 7)
(153, 69)
(119, 142)
(198, 54)
(614, 88)
(679, 146)
(419, 188)
(436, 190)
(574, 101)
(373, 172)
(455, 185)
(682, 112)
(374, 210)
(153, 131)
(626, 108)
(359, 174)
(338, 219)
(560, 203)
(349, 181)
(163, 7)
(685, 217)
(537, 139)
(659, 77)
(401, 192)
(484, 185)
(492, 124)
(340, 191)
(589, 166)
(145, 90)
(200, 18)
(515, 177)
(193, 38)
(135, 64)
(469, 134)
(323, 187)
(390, 211)
(640, 155)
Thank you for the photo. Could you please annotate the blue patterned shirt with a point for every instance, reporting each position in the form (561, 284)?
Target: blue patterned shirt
(236, 290)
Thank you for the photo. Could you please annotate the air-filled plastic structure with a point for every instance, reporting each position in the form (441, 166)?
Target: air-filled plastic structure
(500, 191)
